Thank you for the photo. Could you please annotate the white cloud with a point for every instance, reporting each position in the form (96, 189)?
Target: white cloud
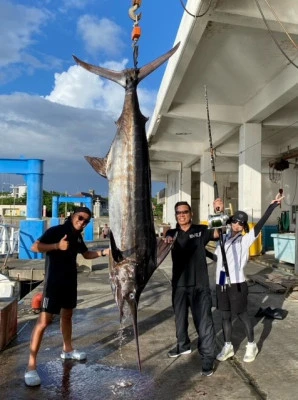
(77, 117)
(18, 25)
(80, 88)
(77, 121)
(48, 129)
(101, 35)
(77, 87)
(36, 128)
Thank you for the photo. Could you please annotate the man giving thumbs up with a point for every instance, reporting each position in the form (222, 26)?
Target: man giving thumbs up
(61, 244)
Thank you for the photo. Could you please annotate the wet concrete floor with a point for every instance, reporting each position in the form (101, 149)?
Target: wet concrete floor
(111, 372)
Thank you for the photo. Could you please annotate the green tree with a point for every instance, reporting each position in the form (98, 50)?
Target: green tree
(47, 197)
(47, 201)
(157, 209)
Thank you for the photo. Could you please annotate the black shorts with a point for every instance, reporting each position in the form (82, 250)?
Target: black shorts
(232, 298)
(55, 298)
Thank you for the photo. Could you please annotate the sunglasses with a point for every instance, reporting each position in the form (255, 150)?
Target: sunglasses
(85, 220)
(183, 212)
(235, 221)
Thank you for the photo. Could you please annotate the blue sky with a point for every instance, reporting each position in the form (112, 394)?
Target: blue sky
(52, 109)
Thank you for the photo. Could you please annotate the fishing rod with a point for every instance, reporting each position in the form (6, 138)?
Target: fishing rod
(211, 147)
(218, 220)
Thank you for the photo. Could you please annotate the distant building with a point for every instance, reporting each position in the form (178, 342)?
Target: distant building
(10, 210)
(104, 205)
(14, 210)
(161, 196)
(18, 191)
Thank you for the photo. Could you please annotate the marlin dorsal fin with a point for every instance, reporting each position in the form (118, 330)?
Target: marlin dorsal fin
(98, 164)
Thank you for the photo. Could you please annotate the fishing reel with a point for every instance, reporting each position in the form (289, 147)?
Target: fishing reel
(217, 221)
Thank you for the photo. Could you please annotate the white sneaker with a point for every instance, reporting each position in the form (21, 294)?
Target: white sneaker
(32, 378)
(251, 352)
(73, 355)
(226, 352)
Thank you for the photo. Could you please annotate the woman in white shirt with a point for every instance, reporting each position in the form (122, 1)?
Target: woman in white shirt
(232, 299)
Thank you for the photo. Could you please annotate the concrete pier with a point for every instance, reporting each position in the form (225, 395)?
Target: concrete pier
(111, 371)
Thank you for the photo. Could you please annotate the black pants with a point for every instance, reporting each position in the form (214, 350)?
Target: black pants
(200, 303)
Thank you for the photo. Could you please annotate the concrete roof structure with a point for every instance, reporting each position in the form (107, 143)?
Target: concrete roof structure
(249, 80)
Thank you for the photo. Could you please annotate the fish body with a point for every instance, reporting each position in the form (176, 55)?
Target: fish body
(135, 251)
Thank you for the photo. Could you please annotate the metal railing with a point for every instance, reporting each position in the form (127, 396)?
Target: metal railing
(9, 239)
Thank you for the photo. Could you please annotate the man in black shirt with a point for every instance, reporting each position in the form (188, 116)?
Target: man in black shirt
(190, 285)
(61, 244)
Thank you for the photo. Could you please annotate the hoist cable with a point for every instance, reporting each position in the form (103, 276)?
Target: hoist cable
(272, 35)
(280, 23)
(198, 15)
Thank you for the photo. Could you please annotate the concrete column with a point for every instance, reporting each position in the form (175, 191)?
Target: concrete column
(172, 196)
(88, 231)
(206, 188)
(55, 206)
(33, 227)
(185, 185)
(296, 245)
(30, 230)
(34, 188)
(250, 173)
(96, 209)
(55, 220)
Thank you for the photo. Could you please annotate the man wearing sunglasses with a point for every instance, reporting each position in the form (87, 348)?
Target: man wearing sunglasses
(61, 244)
(190, 284)
(233, 299)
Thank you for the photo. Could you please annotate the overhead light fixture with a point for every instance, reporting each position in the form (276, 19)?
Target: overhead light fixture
(183, 133)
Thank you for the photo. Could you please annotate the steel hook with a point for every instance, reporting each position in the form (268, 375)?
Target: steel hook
(135, 17)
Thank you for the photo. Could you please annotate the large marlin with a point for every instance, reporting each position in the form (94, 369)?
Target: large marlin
(135, 251)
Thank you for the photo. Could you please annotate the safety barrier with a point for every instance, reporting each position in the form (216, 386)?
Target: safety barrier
(9, 239)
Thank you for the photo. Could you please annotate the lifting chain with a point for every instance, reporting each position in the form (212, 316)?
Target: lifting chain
(136, 32)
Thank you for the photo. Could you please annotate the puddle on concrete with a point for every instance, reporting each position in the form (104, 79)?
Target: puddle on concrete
(77, 380)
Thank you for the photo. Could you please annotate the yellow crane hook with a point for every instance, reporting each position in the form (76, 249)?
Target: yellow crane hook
(135, 5)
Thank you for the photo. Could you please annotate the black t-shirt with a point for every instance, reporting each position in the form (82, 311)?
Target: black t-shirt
(189, 256)
(61, 265)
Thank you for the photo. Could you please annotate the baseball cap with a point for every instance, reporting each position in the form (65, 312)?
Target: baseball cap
(240, 216)
(82, 209)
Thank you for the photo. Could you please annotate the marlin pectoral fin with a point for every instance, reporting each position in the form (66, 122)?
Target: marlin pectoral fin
(116, 253)
(98, 164)
(163, 249)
